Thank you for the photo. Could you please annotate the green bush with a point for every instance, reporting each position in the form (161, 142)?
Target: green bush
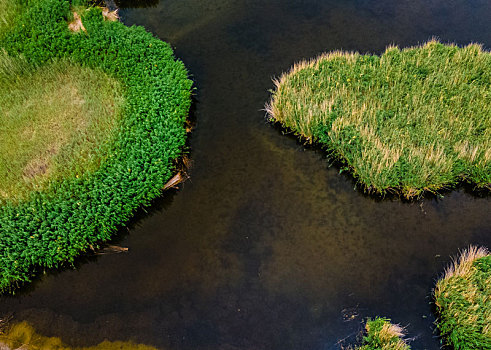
(463, 301)
(52, 227)
(409, 121)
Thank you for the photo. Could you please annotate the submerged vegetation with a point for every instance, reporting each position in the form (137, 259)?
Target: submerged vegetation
(381, 334)
(411, 120)
(463, 301)
(23, 336)
(97, 178)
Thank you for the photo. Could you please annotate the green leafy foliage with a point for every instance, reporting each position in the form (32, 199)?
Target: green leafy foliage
(51, 227)
(411, 120)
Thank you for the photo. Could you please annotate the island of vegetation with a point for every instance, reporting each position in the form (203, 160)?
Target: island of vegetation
(381, 334)
(463, 301)
(408, 121)
(92, 119)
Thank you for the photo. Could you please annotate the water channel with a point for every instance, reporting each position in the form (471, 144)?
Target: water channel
(267, 246)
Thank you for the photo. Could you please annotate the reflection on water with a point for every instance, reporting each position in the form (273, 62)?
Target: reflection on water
(267, 247)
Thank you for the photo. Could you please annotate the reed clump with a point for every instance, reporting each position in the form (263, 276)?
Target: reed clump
(408, 121)
(463, 301)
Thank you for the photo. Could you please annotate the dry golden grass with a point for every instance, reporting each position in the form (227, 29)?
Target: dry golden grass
(411, 120)
(462, 266)
(76, 24)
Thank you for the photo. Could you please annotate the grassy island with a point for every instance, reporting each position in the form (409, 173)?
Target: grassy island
(92, 119)
(408, 121)
(463, 301)
(383, 335)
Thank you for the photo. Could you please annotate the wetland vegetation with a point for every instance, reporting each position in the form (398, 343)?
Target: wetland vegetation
(381, 334)
(410, 120)
(121, 99)
(463, 301)
(94, 121)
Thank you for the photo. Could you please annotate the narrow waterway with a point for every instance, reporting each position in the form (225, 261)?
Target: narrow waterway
(267, 247)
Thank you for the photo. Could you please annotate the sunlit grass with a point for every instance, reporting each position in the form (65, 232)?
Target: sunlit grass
(411, 120)
(463, 301)
(381, 334)
(55, 122)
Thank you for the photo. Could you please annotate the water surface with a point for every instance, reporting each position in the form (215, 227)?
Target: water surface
(267, 246)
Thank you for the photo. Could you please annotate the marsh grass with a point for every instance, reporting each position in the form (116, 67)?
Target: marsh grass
(463, 301)
(9, 10)
(23, 336)
(409, 121)
(381, 334)
(56, 121)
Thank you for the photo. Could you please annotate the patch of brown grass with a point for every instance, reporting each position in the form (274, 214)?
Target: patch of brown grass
(76, 24)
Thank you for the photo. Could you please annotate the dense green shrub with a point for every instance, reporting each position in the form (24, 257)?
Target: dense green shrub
(411, 120)
(463, 301)
(52, 227)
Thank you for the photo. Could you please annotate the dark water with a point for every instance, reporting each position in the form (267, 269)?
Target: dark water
(267, 247)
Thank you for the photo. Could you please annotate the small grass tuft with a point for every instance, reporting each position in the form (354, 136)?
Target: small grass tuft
(463, 301)
(381, 334)
(411, 120)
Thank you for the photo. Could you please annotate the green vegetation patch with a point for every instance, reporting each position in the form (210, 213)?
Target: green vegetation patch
(463, 301)
(23, 336)
(381, 334)
(411, 120)
(56, 121)
(142, 85)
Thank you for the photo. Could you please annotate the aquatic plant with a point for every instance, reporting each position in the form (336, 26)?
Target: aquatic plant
(463, 301)
(408, 121)
(23, 336)
(48, 228)
(381, 334)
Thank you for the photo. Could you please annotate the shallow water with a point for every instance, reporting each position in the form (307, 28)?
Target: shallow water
(267, 247)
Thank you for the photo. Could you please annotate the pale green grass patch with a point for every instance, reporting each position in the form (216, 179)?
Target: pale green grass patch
(9, 10)
(55, 122)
